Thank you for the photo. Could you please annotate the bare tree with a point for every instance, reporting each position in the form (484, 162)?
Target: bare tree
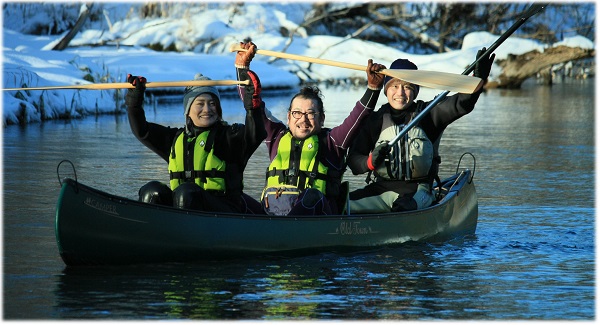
(438, 26)
(83, 16)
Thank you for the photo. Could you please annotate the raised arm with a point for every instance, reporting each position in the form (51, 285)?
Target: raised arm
(134, 99)
(459, 105)
(255, 127)
(344, 134)
(156, 137)
(272, 126)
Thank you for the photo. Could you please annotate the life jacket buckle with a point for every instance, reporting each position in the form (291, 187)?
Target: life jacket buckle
(278, 192)
(188, 174)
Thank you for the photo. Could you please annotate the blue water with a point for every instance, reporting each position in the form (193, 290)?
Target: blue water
(532, 257)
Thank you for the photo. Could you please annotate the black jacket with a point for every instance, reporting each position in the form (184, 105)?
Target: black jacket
(234, 144)
(434, 123)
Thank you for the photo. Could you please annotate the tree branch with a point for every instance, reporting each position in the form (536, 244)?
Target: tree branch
(64, 42)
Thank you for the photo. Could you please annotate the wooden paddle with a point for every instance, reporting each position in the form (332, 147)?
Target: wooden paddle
(125, 85)
(432, 79)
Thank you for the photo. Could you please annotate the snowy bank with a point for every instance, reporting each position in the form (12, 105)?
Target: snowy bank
(29, 62)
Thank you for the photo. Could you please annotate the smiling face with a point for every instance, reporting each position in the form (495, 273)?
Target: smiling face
(203, 111)
(310, 120)
(400, 94)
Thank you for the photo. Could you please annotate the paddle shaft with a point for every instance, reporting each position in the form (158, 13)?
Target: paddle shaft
(284, 55)
(432, 79)
(126, 85)
(533, 9)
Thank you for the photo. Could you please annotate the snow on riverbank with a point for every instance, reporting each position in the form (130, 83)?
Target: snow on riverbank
(29, 62)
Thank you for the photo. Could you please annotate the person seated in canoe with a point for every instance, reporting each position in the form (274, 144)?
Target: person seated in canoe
(400, 177)
(207, 157)
(307, 160)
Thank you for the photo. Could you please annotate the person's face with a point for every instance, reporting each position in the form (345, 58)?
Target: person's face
(203, 111)
(304, 118)
(400, 94)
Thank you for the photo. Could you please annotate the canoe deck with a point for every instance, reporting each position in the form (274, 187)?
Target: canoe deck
(94, 228)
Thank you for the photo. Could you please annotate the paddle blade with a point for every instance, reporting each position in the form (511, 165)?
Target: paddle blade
(438, 80)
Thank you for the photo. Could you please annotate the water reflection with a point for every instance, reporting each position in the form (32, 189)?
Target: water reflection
(392, 283)
(535, 238)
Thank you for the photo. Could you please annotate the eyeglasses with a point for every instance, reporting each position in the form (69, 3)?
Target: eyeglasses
(298, 115)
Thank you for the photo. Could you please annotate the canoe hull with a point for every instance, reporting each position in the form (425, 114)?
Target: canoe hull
(93, 227)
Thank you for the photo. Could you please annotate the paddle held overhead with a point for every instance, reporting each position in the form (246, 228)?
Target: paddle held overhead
(533, 9)
(125, 85)
(432, 79)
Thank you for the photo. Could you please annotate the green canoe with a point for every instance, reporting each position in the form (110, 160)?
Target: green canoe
(97, 228)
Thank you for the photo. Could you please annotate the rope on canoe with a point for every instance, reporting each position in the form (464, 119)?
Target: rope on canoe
(60, 180)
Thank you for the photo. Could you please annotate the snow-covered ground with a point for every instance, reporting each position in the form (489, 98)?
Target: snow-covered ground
(28, 61)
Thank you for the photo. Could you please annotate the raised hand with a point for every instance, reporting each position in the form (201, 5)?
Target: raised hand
(135, 96)
(375, 79)
(483, 66)
(243, 58)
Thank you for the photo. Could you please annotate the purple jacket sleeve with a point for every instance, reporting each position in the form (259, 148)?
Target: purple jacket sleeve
(342, 136)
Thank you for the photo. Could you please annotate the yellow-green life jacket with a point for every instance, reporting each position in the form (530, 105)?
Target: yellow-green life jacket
(193, 159)
(297, 163)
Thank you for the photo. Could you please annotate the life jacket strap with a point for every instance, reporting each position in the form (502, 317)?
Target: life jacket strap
(285, 174)
(190, 175)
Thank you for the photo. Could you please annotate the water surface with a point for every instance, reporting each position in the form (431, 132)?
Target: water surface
(532, 257)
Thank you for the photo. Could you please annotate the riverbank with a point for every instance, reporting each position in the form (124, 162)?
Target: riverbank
(28, 60)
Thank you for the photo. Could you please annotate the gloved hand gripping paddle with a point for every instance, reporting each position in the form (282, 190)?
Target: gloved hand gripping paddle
(533, 9)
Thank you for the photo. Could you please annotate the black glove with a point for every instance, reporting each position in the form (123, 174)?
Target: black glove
(483, 66)
(378, 155)
(135, 96)
(252, 99)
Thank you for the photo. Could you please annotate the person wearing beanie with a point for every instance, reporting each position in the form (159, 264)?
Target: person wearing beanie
(304, 176)
(400, 177)
(193, 122)
(207, 156)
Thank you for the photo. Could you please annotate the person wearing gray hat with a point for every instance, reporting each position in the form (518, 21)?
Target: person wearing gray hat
(207, 156)
(400, 177)
(191, 96)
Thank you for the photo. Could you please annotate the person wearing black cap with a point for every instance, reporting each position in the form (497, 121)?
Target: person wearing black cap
(206, 157)
(400, 177)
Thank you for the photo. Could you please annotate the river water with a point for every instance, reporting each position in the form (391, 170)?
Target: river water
(532, 257)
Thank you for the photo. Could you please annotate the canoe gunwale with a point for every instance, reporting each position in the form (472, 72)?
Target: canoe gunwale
(450, 193)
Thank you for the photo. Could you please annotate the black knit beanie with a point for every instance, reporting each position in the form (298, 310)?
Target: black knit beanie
(400, 64)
